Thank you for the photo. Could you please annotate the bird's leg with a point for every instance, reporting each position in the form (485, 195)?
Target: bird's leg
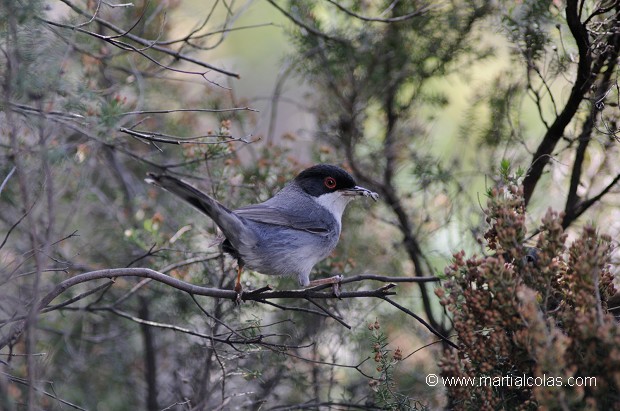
(238, 287)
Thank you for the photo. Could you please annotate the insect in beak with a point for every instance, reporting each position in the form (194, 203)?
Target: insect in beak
(361, 191)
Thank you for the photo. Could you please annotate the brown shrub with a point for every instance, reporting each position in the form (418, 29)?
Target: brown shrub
(532, 320)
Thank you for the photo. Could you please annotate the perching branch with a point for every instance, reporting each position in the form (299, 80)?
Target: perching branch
(261, 295)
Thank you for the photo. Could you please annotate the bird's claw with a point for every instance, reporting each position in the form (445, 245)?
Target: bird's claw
(337, 285)
(336, 288)
(239, 291)
(372, 195)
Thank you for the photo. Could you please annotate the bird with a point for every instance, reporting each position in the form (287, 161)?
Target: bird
(286, 235)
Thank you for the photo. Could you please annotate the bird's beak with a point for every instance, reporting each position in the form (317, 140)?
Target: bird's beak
(361, 191)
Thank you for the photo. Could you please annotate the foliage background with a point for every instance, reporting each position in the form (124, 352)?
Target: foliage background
(422, 109)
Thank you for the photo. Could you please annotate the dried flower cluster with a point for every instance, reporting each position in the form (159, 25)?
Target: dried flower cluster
(534, 320)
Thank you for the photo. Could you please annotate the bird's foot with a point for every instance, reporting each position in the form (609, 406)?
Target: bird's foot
(335, 281)
(239, 291)
(336, 287)
(238, 286)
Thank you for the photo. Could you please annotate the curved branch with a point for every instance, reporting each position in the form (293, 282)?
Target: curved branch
(304, 26)
(586, 204)
(260, 295)
(397, 19)
(421, 320)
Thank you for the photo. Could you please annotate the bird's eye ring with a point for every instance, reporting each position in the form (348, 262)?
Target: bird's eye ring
(329, 182)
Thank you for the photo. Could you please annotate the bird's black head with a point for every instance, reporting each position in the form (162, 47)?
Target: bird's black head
(324, 178)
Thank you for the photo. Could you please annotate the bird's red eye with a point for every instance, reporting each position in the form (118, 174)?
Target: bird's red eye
(329, 182)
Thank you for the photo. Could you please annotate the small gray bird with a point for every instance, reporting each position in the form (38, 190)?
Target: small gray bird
(287, 234)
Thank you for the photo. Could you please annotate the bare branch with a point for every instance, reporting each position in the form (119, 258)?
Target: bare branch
(6, 179)
(326, 311)
(190, 110)
(113, 273)
(23, 381)
(168, 139)
(421, 320)
(147, 43)
(259, 339)
(192, 36)
(8, 233)
(79, 297)
(303, 25)
(586, 204)
(397, 19)
(587, 71)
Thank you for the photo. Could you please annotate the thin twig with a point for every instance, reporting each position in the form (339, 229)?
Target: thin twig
(190, 110)
(137, 39)
(421, 320)
(6, 179)
(23, 381)
(326, 311)
(168, 139)
(397, 19)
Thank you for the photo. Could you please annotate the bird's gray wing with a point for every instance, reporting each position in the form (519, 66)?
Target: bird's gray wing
(266, 214)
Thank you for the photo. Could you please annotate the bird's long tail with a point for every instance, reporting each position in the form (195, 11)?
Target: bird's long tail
(230, 224)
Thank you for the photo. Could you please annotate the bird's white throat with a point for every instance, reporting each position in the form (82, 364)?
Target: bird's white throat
(335, 203)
